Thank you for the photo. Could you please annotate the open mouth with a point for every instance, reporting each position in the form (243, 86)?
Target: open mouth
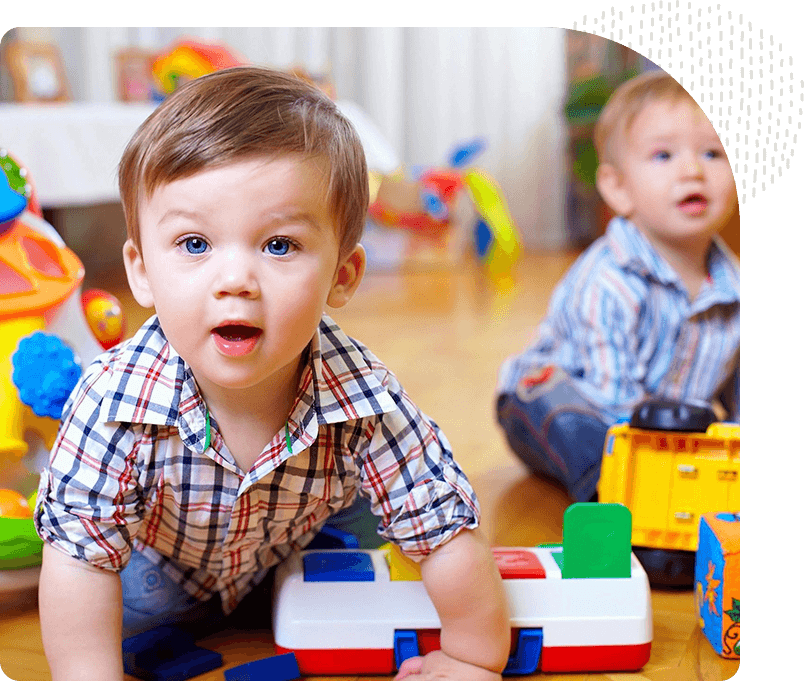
(236, 339)
(693, 204)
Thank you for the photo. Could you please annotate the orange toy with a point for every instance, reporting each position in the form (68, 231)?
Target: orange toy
(105, 316)
(35, 274)
(13, 505)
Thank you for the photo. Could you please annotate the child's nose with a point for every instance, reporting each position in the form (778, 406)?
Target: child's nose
(236, 277)
(691, 166)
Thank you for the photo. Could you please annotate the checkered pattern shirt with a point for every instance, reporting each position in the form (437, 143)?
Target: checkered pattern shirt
(138, 463)
(622, 324)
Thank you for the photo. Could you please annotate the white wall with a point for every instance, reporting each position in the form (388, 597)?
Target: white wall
(427, 89)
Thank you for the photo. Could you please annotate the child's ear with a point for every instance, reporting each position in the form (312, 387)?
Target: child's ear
(611, 185)
(136, 274)
(347, 277)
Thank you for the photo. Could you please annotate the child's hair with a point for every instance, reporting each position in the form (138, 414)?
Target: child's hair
(240, 113)
(627, 101)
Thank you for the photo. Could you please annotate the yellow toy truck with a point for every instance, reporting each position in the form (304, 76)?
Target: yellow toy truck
(669, 465)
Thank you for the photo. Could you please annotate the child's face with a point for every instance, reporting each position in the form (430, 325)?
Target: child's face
(239, 262)
(672, 177)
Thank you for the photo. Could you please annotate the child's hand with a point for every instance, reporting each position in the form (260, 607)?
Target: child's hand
(437, 666)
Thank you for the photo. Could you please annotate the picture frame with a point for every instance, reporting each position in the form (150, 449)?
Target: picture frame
(37, 72)
(135, 79)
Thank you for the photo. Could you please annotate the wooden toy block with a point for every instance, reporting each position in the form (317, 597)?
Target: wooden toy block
(717, 581)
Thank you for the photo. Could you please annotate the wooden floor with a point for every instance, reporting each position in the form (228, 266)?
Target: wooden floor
(444, 333)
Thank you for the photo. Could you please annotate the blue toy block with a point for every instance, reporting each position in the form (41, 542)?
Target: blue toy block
(167, 654)
(527, 653)
(406, 644)
(338, 566)
(276, 668)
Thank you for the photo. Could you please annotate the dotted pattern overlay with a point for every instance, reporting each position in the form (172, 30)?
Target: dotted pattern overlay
(734, 69)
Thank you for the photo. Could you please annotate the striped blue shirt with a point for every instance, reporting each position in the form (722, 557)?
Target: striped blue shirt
(622, 324)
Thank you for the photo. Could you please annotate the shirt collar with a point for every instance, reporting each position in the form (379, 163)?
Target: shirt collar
(344, 383)
(151, 384)
(723, 286)
(632, 251)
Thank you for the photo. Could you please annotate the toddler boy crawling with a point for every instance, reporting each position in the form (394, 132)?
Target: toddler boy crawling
(217, 440)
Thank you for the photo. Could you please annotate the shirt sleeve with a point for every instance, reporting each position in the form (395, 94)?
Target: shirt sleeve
(412, 480)
(89, 503)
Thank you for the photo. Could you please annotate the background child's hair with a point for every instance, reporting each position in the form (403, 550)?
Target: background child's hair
(241, 113)
(627, 101)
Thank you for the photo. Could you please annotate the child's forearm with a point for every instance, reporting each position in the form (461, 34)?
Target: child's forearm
(81, 615)
(463, 581)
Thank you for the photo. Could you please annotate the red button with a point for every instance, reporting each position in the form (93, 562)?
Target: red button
(518, 564)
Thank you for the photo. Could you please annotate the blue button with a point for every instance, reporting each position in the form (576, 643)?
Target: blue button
(338, 566)
(406, 644)
(527, 654)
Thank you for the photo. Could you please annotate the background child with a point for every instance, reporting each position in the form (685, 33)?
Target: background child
(219, 438)
(651, 309)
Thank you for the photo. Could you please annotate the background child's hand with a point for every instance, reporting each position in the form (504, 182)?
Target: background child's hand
(440, 666)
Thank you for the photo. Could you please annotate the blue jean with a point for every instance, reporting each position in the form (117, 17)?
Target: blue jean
(152, 599)
(359, 521)
(555, 430)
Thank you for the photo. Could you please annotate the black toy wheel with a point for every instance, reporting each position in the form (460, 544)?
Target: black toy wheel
(660, 414)
(668, 568)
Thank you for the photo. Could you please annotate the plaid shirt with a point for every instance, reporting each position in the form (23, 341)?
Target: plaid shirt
(138, 462)
(622, 323)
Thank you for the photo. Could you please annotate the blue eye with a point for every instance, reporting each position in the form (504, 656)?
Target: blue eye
(195, 245)
(662, 155)
(712, 153)
(278, 247)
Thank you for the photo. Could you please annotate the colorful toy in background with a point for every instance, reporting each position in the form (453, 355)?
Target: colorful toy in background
(45, 338)
(494, 235)
(189, 59)
(671, 464)
(20, 546)
(583, 605)
(717, 581)
(104, 316)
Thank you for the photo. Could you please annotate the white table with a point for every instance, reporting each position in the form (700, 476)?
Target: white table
(71, 149)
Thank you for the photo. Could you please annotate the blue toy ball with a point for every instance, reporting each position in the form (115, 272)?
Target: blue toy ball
(45, 372)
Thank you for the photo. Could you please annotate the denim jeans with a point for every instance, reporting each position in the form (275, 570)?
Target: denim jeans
(152, 599)
(555, 430)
